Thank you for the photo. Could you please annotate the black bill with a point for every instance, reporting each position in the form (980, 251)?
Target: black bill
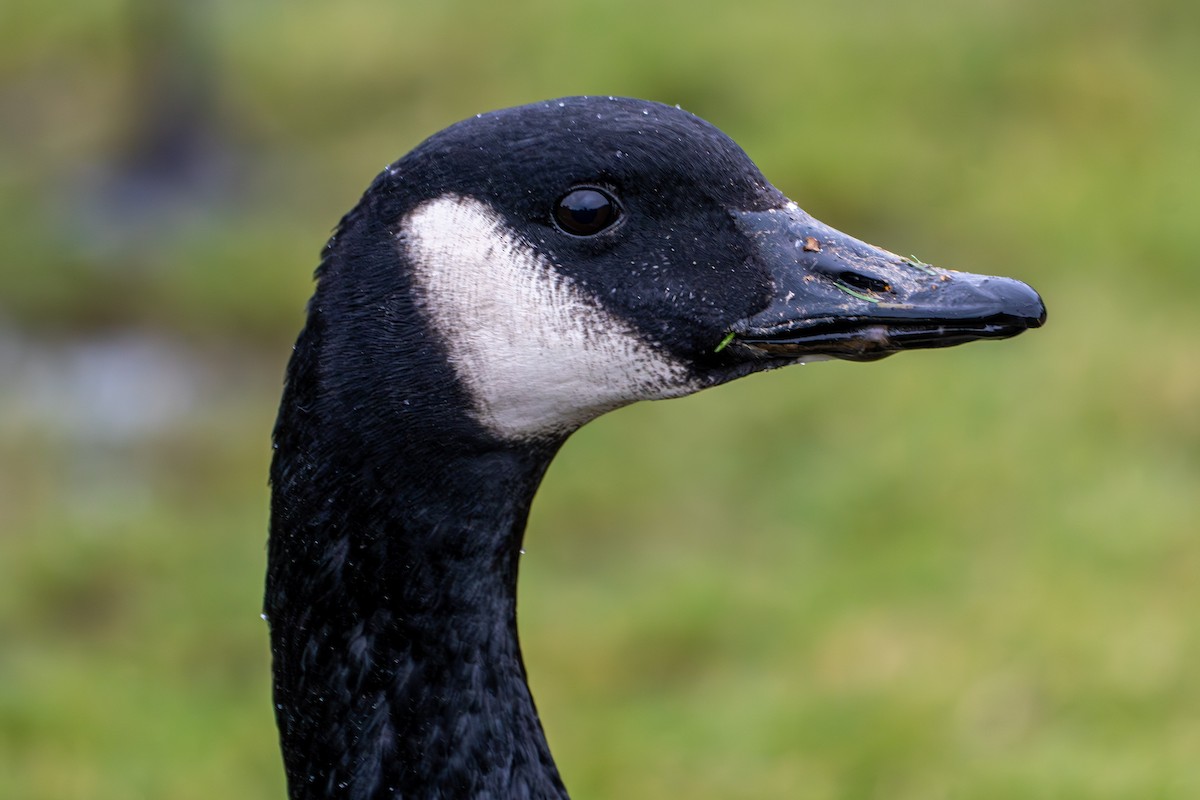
(841, 297)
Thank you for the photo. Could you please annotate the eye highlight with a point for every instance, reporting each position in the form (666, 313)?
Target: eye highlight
(586, 211)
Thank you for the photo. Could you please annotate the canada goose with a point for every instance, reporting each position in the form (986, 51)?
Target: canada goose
(511, 278)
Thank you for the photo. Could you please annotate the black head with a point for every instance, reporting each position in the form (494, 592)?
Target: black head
(550, 262)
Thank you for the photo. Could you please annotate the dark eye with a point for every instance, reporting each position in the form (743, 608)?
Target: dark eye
(586, 212)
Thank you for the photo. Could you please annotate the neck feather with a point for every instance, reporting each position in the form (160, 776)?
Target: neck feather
(391, 598)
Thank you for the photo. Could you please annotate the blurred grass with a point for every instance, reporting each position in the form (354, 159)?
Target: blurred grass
(969, 573)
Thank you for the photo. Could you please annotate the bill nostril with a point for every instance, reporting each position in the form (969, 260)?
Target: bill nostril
(863, 283)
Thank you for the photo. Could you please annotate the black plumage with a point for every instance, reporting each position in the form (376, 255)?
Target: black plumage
(399, 506)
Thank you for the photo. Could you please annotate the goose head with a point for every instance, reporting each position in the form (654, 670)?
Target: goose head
(570, 257)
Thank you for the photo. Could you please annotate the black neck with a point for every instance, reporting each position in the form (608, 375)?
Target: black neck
(391, 597)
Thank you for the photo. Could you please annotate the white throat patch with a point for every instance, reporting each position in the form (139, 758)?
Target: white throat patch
(537, 354)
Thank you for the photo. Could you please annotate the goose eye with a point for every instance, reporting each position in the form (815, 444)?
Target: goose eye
(586, 212)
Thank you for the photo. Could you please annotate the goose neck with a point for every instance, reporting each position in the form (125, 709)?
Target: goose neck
(392, 605)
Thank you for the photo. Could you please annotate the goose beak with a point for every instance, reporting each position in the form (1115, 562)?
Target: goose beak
(837, 296)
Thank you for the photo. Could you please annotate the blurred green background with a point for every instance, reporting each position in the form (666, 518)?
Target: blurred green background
(968, 573)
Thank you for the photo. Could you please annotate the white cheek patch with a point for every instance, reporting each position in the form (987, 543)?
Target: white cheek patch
(536, 354)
